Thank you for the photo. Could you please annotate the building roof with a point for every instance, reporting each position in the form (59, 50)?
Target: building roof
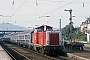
(9, 26)
(86, 22)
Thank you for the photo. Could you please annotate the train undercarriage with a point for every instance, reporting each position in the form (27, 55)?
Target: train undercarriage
(49, 50)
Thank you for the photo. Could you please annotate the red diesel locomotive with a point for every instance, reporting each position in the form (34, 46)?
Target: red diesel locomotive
(47, 41)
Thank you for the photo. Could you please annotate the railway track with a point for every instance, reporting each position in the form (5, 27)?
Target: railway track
(79, 55)
(11, 53)
(13, 58)
(28, 54)
(32, 55)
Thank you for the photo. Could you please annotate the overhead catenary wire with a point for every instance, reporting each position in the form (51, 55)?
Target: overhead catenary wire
(53, 10)
(56, 9)
(18, 8)
(48, 0)
(61, 7)
(30, 19)
(49, 12)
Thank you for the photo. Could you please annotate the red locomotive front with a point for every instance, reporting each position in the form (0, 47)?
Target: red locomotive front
(46, 36)
(53, 38)
(47, 40)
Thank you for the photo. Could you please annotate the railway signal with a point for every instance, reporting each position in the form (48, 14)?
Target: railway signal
(71, 23)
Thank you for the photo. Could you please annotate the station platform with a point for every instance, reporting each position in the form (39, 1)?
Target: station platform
(4, 55)
(87, 45)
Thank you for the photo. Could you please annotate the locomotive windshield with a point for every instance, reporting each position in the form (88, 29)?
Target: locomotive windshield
(40, 29)
(44, 28)
(49, 28)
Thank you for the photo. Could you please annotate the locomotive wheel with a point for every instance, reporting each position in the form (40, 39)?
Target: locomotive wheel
(42, 50)
(31, 47)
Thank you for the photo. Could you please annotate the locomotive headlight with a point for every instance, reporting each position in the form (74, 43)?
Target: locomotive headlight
(60, 42)
(47, 42)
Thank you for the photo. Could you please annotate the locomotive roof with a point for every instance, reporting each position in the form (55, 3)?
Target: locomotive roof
(43, 26)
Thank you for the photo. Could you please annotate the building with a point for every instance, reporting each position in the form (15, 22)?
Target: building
(88, 36)
(7, 28)
(85, 28)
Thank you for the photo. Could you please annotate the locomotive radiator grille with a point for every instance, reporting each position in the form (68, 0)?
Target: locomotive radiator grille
(54, 38)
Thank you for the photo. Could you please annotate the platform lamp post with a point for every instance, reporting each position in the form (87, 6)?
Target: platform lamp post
(61, 34)
(61, 31)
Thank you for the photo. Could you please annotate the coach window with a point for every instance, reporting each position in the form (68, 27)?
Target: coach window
(21, 37)
(27, 36)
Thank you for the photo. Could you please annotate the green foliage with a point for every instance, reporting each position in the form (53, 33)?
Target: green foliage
(76, 34)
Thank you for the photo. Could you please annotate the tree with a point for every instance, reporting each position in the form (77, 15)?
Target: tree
(66, 31)
(76, 34)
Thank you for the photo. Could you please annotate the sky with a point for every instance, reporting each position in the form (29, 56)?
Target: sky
(31, 13)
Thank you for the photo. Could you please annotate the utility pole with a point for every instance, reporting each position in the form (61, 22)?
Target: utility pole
(60, 30)
(71, 23)
(60, 24)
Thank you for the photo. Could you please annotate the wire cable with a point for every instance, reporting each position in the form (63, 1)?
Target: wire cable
(61, 7)
(57, 9)
(18, 8)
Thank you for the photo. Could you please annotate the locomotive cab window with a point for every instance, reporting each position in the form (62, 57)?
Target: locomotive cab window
(40, 29)
(49, 28)
(44, 28)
